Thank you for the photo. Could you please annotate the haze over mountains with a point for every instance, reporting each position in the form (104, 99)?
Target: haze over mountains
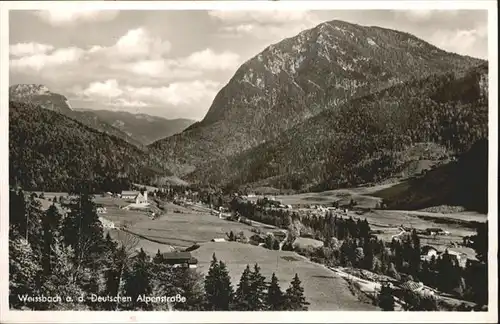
(337, 105)
(143, 128)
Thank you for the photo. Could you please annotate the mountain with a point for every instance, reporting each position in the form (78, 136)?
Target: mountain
(49, 151)
(141, 127)
(389, 134)
(41, 96)
(460, 183)
(289, 82)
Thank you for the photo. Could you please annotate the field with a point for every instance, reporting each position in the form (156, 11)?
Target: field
(323, 288)
(179, 226)
(342, 196)
(387, 223)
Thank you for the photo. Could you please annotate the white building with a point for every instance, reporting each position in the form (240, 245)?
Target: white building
(427, 252)
(135, 195)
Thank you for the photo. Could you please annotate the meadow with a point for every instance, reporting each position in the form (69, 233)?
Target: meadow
(323, 288)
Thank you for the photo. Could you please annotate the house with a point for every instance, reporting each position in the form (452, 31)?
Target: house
(180, 259)
(459, 257)
(218, 240)
(129, 194)
(141, 198)
(279, 235)
(427, 252)
(138, 197)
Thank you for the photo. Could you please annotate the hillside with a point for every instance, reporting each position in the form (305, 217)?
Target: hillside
(319, 69)
(144, 128)
(369, 139)
(41, 96)
(51, 152)
(460, 183)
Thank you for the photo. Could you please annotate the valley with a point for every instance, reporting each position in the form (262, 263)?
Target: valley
(348, 163)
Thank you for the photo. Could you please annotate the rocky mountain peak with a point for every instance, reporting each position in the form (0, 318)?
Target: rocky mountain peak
(301, 76)
(40, 95)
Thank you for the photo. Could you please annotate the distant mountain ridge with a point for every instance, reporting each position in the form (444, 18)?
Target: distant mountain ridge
(320, 69)
(142, 127)
(40, 95)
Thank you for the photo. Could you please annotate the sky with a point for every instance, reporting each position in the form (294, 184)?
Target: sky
(173, 63)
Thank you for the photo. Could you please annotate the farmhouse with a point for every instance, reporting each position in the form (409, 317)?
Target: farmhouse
(180, 259)
(427, 252)
(459, 257)
(135, 195)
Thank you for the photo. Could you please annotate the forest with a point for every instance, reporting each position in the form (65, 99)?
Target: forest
(51, 152)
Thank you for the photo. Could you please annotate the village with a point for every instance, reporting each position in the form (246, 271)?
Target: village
(188, 230)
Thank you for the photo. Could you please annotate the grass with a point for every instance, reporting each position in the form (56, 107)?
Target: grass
(324, 289)
(179, 226)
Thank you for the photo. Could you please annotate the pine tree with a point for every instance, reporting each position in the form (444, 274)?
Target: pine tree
(386, 299)
(190, 285)
(218, 288)
(137, 281)
(294, 296)
(158, 258)
(50, 225)
(275, 298)
(243, 293)
(83, 231)
(257, 288)
(113, 275)
(368, 255)
(23, 272)
(62, 279)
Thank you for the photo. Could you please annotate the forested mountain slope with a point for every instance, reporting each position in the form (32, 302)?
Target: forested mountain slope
(368, 139)
(51, 152)
(40, 95)
(319, 69)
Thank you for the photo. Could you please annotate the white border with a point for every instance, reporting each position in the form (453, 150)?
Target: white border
(269, 317)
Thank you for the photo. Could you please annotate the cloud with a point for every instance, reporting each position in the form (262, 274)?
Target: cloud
(136, 43)
(185, 67)
(268, 17)
(107, 89)
(264, 24)
(112, 93)
(37, 62)
(70, 16)
(25, 49)
(209, 60)
(464, 41)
